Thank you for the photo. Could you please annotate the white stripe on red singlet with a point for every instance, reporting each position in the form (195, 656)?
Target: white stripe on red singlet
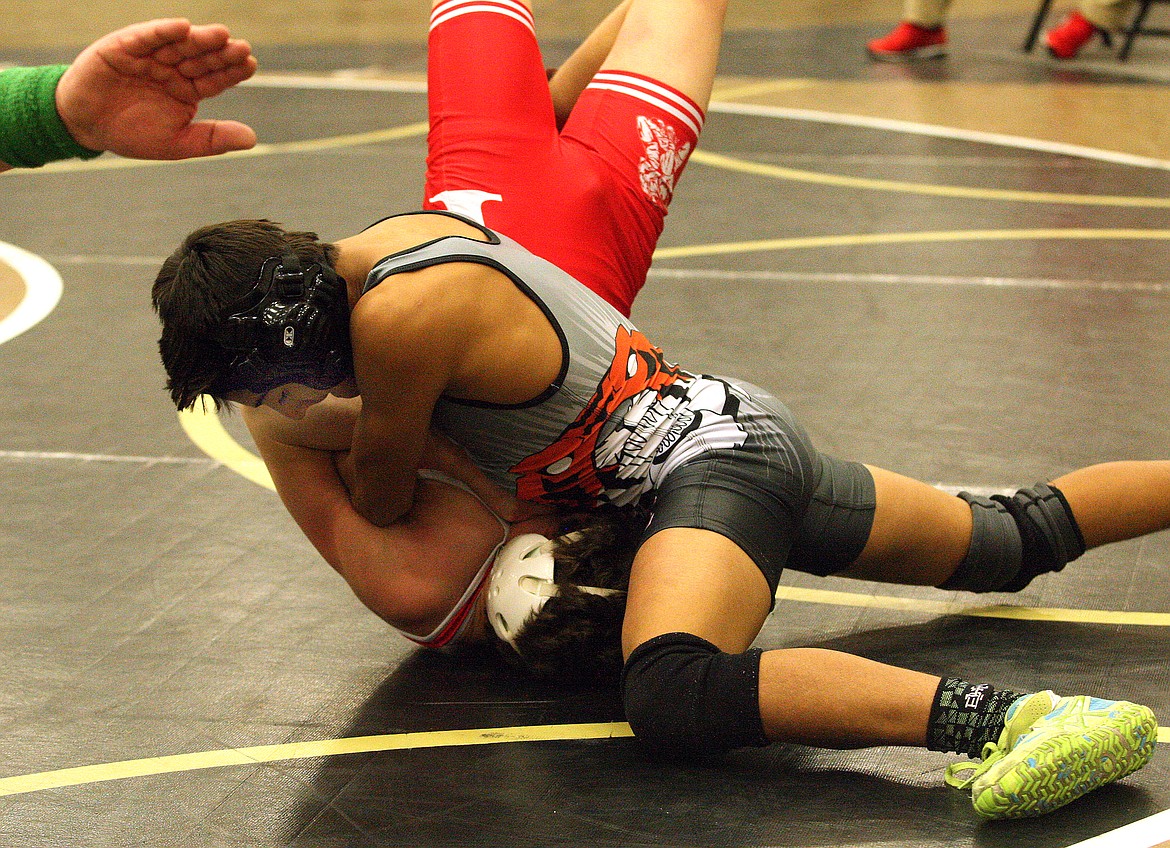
(508, 8)
(651, 92)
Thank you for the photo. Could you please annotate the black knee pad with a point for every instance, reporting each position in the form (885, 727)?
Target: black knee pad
(1049, 534)
(1015, 539)
(686, 698)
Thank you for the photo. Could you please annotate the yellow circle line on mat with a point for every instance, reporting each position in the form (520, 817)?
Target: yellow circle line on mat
(102, 772)
(207, 432)
(701, 156)
(81, 775)
(777, 172)
(876, 239)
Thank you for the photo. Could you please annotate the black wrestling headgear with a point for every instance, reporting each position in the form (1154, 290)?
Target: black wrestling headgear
(292, 327)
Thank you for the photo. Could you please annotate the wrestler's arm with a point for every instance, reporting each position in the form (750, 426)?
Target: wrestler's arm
(328, 426)
(443, 455)
(409, 341)
(411, 573)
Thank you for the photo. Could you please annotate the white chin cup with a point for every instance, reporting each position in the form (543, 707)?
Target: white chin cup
(521, 583)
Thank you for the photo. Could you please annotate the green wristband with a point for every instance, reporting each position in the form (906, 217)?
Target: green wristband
(31, 131)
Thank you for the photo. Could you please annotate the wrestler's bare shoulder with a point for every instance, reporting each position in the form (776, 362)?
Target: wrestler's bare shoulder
(400, 233)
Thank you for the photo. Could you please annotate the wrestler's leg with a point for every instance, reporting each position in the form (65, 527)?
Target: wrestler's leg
(675, 42)
(495, 155)
(1113, 501)
(693, 685)
(484, 66)
(489, 103)
(696, 582)
(628, 140)
(571, 77)
(482, 85)
(920, 534)
(566, 84)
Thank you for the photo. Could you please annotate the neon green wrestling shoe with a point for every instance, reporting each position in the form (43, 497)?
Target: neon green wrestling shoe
(1053, 750)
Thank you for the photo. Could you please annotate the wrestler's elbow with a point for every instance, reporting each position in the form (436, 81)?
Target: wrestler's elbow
(380, 505)
(378, 511)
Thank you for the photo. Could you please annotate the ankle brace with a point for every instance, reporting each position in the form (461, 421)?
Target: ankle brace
(965, 717)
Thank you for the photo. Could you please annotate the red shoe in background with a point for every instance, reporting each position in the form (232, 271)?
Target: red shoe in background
(907, 42)
(1073, 33)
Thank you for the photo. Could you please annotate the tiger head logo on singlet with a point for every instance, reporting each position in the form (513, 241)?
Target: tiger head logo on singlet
(645, 418)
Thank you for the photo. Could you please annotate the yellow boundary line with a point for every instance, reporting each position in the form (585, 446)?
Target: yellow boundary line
(208, 433)
(107, 163)
(59, 778)
(197, 761)
(890, 602)
(701, 156)
(794, 175)
(876, 239)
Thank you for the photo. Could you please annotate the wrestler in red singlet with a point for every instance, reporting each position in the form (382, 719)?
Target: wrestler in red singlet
(590, 198)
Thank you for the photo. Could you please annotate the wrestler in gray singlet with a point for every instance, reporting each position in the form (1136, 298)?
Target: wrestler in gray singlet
(621, 424)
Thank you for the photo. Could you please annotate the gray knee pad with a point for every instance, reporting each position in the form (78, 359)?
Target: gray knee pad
(685, 698)
(996, 550)
(1015, 539)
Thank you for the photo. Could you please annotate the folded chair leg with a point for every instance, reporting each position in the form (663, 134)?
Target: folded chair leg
(1133, 29)
(1037, 23)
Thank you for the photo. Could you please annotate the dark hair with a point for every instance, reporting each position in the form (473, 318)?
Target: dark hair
(200, 282)
(576, 637)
